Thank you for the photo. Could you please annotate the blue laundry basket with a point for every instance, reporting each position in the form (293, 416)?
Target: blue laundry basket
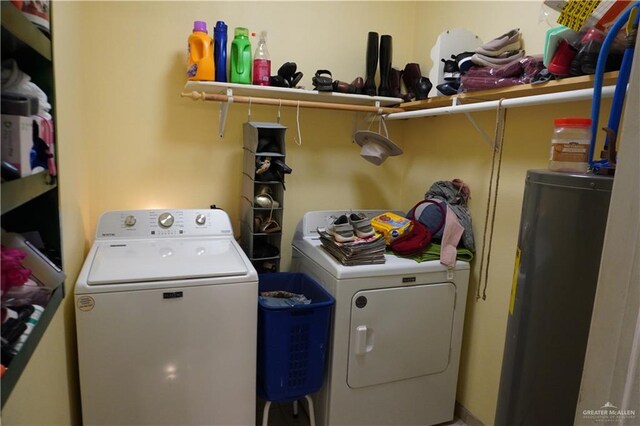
(292, 341)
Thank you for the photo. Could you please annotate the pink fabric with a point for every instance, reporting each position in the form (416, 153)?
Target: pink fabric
(46, 134)
(450, 238)
(13, 273)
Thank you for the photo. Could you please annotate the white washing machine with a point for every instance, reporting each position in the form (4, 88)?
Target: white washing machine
(396, 334)
(166, 314)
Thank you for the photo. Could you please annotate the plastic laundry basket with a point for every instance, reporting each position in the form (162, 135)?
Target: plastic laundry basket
(292, 341)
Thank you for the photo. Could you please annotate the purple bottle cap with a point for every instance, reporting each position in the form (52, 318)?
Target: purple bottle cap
(200, 26)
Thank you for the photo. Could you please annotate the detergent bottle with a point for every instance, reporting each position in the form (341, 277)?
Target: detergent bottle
(200, 64)
(220, 50)
(240, 70)
(262, 62)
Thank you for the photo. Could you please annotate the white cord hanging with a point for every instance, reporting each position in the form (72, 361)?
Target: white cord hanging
(249, 112)
(298, 140)
(279, 111)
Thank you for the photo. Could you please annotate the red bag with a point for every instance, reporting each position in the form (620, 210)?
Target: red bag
(419, 237)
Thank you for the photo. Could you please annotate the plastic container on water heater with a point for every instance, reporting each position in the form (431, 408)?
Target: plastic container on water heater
(262, 62)
(570, 145)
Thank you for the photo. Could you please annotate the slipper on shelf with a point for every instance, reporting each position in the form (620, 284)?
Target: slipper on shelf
(295, 79)
(323, 81)
(343, 87)
(265, 201)
(277, 81)
(288, 76)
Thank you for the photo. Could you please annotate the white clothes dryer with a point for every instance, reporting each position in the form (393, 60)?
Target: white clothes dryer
(396, 334)
(166, 316)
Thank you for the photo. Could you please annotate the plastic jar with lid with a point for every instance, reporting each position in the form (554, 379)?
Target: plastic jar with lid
(570, 145)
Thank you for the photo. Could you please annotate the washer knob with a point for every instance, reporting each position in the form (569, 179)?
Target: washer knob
(129, 221)
(165, 220)
(201, 219)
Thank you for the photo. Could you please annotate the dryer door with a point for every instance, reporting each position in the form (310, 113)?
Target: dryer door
(399, 333)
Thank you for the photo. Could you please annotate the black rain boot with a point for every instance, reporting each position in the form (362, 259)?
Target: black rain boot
(372, 64)
(386, 56)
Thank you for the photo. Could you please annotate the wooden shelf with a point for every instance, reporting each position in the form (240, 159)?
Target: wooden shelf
(343, 101)
(17, 192)
(214, 87)
(17, 24)
(519, 91)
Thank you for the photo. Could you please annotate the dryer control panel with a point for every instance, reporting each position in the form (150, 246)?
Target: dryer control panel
(163, 223)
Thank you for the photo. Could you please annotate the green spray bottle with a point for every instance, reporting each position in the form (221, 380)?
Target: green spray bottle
(240, 70)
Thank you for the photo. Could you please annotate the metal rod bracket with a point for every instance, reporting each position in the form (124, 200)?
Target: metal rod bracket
(224, 111)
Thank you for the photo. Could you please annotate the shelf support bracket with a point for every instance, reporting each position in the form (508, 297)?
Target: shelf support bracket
(455, 102)
(224, 111)
(480, 130)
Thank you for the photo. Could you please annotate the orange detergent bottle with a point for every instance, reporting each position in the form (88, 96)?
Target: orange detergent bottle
(200, 64)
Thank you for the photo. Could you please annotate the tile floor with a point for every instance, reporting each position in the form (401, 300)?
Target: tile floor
(282, 415)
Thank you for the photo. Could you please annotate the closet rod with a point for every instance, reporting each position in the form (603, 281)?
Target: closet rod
(550, 98)
(289, 103)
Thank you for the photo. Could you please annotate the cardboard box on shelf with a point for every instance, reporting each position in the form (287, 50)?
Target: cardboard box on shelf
(17, 141)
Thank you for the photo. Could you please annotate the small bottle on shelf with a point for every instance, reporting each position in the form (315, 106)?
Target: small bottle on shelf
(262, 62)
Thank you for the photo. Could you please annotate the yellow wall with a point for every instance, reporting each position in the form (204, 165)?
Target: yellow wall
(128, 141)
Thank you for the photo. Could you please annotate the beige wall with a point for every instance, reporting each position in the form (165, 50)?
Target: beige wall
(128, 141)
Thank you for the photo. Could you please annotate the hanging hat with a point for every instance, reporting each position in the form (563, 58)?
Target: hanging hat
(376, 147)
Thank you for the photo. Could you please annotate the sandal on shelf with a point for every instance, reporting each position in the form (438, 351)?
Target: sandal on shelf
(288, 76)
(262, 164)
(323, 81)
(266, 225)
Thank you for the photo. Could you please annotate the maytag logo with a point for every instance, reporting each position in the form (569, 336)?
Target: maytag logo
(408, 279)
(172, 295)
(108, 234)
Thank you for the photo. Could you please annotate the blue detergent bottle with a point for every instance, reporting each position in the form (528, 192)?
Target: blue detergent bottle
(220, 50)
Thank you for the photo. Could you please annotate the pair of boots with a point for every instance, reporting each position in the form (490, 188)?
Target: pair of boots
(372, 63)
(417, 86)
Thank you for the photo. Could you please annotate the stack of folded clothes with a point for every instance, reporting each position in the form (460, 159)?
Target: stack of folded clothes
(501, 63)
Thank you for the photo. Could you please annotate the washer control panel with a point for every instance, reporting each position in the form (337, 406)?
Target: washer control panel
(163, 223)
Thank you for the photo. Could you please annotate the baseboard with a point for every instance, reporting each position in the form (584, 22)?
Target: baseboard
(466, 416)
